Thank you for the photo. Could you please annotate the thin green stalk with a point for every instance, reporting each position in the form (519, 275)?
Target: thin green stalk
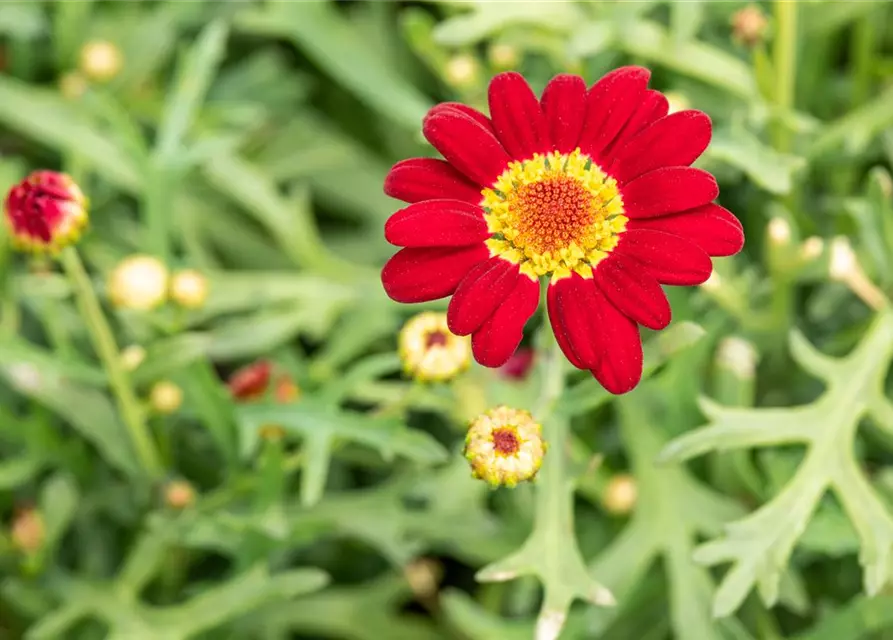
(784, 55)
(107, 350)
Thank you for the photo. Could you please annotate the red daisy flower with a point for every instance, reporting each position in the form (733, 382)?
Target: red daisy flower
(592, 188)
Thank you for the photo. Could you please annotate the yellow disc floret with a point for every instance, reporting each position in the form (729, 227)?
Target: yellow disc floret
(504, 447)
(554, 214)
(429, 351)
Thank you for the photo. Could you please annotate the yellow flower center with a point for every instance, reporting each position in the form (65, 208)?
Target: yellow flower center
(554, 214)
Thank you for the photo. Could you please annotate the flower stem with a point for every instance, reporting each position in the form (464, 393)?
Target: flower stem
(784, 54)
(104, 342)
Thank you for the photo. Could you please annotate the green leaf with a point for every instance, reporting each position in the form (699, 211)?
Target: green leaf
(759, 546)
(318, 30)
(651, 42)
(87, 410)
(856, 130)
(58, 504)
(18, 471)
(170, 355)
(487, 18)
(44, 116)
(771, 170)
(478, 624)
(15, 351)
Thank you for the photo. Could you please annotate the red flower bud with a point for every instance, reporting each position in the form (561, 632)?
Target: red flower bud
(250, 382)
(518, 366)
(45, 212)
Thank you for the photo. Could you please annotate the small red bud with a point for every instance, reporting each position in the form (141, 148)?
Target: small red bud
(45, 212)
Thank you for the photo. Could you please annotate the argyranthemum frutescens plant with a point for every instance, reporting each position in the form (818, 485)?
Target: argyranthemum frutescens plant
(590, 190)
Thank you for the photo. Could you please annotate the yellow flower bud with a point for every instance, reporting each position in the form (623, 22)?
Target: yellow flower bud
(812, 248)
(749, 25)
(132, 357)
(462, 70)
(139, 282)
(72, 85)
(503, 56)
(101, 60)
(779, 231)
(189, 289)
(429, 351)
(179, 494)
(677, 101)
(165, 397)
(504, 447)
(28, 531)
(620, 494)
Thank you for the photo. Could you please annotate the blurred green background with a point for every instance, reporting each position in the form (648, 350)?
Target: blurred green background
(249, 141)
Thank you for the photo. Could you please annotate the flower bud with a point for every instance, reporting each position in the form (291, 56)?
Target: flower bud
(424, 576)
(620, 494)
(779, 231)
(28, 531)
(712, 283)
(518, 365)
(462, 70)
(843, 263)
(179, 494)
(286, 390)
(132, 357)
(139, 283)
(429, 351)
(45, 212)
(504, 446)
(812, 248)
(189, 289)
(503, 56)
(250, 382)
(749, 25)
(738, 356)
(165, 397)
(101, 60)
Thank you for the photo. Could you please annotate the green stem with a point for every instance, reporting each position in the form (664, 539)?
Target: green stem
(107, 350)
(785, 59)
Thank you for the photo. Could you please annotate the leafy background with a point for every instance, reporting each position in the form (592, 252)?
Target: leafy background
(250, 140)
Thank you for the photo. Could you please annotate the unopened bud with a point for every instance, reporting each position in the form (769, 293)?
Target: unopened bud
(132, 357)
(712, 283)
(423, 576)
(812, 248)
(462, 70)
(503, 56)
(738, 356)
(45, 212)
(101, 60)
(72, 85)
(843, 262)
(504, 447)
(189, 289)
(165, 397)
(749, 25)
(179, 494)
(620, 494)
(779, 231)
(28, 531)
(139, 283)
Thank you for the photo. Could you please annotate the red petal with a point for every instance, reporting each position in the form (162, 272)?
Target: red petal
(564, 104)
(573, 312)
(422, 274)
(517, 117)
(711, 227)
(466, 143)
(654, 107)
(620, 368)
(469, 111)
(498, 338)
(420, 179)
(477, 297)
(609, 105)
(668, 190)
(437, 223)
(674, 141)
(669, 258)
(634, 291)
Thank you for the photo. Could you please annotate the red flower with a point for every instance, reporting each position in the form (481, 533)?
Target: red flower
(592, 188)
(45, 212)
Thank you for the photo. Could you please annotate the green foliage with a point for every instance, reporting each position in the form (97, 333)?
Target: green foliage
(249, 141)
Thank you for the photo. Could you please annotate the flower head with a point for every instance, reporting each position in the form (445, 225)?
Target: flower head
(591, 188)
(253, 382)
(749, 25)
(45, 212)
(138, 282)
(28, 531)
(429, 351)
(179, 494)
(518, 366)
(505, 446)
